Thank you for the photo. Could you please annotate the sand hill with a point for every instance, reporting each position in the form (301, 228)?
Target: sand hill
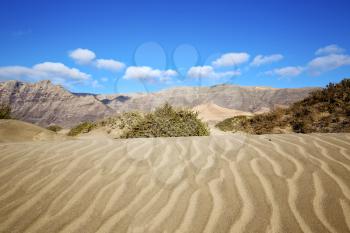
(212, 112)
(230, 183)
(18, 131)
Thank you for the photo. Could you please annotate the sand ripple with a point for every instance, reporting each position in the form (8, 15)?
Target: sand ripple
(223, 183)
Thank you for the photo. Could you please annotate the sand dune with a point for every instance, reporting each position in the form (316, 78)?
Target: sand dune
(16, 131)
(212, 112)
(229, 183)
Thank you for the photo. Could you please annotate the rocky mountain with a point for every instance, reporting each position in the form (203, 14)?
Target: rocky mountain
(44, 103)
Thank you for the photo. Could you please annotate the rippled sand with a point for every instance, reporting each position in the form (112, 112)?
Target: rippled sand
(227, 183)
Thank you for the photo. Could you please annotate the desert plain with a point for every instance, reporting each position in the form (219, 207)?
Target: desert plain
(220, 183)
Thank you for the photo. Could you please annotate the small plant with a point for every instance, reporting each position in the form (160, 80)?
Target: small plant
(84, 127)
(5, 112)
(54, 128)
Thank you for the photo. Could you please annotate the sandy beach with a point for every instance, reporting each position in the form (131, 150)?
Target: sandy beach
(222, 183)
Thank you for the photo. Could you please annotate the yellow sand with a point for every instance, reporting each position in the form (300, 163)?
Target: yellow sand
(223, 183)
(16, 131)
(212, 112)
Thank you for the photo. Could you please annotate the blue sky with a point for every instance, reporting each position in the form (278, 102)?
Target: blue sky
(127, 46)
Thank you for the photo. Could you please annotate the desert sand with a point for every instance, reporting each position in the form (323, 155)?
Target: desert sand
(211, 112)
(222, 183)
(17, 131)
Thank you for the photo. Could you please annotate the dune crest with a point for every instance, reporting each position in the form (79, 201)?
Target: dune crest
(20, 131)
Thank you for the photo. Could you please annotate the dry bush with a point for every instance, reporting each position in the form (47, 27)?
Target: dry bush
(167, 121)
(5, 112)
(84, 127)
(54, 128)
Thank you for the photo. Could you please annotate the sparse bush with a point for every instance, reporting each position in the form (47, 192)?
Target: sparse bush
(233, 123)
(54, 128)
(118, 125)
(84, 127)
(167, 121)
(5, 112)
(123, 121)
(298, 126)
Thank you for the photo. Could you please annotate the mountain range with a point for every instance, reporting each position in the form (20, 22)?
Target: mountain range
(44, 103)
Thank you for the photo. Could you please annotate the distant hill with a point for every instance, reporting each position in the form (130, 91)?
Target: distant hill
(44, 103)
(326, 110)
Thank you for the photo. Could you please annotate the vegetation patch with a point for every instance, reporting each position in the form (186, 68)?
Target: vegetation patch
(326, 111)
(5, 112)
(167, 121)
(54, 128)
(120, 124)
(84, 127)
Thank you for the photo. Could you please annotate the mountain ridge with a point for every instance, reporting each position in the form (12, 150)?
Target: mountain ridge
(44, 103)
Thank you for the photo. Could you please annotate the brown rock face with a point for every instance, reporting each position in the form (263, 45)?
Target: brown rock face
(44, 103)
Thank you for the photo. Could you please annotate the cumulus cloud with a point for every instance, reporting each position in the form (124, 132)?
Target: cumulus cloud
(327, 63)
(82, 56)
(54, 71)
(231, 59)
(209, 72)
(329, 49)
(262, 60)
(109, 64)
(289, 71)
(148, 74)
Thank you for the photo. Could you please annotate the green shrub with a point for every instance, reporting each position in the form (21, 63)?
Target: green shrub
(54, 128)
(5, 112)
(298, 126)
(167, 121)
(123, 121)
(233, 123)
(84, 127)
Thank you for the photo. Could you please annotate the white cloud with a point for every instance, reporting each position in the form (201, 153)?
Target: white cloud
(327, 63)
(209, 72)
(330, 49)
(289, 71)
(109, 64)
(14, 72)
(82, 56)
(56, 72)
(261, 60)
(231, 59)
(56, 69)
(148, 73)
